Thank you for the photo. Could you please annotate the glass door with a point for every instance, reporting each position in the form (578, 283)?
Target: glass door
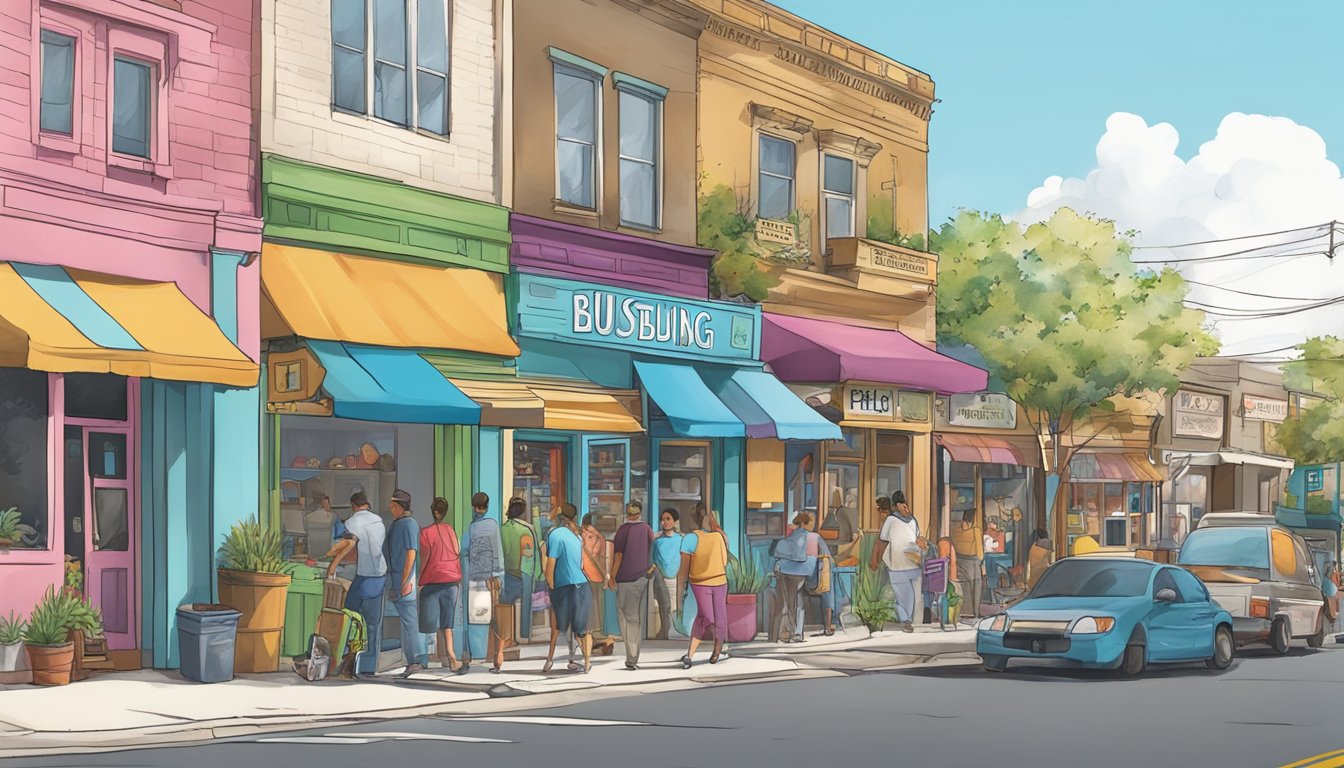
(607, 471)
(684, 479)
(841, 509)
(539, 471)
(109, 527)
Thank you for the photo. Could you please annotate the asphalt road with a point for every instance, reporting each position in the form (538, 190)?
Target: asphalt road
(1264, 712)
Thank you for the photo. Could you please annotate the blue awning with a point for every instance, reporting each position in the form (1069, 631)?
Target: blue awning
(766, 406)
(390, 384)
(691, 408)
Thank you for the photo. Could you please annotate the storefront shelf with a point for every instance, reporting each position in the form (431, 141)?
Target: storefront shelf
(687, 470)
(680, 497)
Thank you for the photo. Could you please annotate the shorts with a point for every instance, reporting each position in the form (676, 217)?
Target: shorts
(572, 603)
(512, 591)
(438, 607)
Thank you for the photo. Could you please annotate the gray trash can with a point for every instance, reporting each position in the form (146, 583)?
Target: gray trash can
(205, 637)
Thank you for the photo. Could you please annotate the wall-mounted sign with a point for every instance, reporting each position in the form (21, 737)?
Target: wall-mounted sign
(878, 403)
(1197, 414)
(877, 258)
(913, 406)
(598, 315)
(1264, 408)
(1315, 480)
(775, 231)
(292, 376)
(991, 411)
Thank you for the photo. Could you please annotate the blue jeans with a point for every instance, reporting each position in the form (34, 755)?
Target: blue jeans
(516, 589)
(903, 584)
(366, 596)
(412, 642)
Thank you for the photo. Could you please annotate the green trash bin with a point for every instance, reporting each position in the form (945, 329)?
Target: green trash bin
(302, 607)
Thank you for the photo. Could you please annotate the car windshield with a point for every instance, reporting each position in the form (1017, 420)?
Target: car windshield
(1227, 547)
(1083, 578)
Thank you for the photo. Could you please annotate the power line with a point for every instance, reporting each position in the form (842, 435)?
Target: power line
(1242, 255)
(1253, 294)
(1269, 312)
(1234, 238)
(1262, 352)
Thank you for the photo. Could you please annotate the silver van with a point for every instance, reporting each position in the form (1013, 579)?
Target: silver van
(1265, 576)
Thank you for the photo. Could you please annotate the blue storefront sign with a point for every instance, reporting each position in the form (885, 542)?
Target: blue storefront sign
(618, 318)
(1315, 480)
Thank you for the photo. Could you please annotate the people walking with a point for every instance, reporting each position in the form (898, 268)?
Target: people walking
(630, 572)
(969, 541)
(485, 568)
(402, 548)
(793, 565)
(598, 550)
(368, 590)
(568, 583)
(899, 549)
(704, 563)
(667, 561)
(522, 566)
(440, 582)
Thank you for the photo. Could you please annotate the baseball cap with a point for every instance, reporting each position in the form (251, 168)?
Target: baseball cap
(402, 497)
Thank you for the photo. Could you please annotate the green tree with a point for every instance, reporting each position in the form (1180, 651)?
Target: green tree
(1064, 319)
(1316, 435)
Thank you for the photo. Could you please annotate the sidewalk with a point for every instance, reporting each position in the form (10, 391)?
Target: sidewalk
(157, 707)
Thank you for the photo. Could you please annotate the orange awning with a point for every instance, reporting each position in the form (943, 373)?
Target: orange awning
(982, 449)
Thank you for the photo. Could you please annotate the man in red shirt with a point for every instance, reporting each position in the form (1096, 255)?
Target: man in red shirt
(440, 576)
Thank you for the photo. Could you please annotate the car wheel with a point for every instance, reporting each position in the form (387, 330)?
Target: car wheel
(1317, 640)
(995, 663)
(1224, 648)
(1133, 662)
(1280, 638)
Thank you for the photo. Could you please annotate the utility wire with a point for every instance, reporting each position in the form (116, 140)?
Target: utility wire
(1233, 239)
(1247, 253)
(1252, 293)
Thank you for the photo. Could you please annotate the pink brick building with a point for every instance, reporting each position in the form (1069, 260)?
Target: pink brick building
(129, 293)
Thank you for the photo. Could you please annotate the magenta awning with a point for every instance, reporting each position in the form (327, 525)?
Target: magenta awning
(806, 349)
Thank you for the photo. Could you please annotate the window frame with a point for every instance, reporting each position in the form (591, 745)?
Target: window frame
(152, 51)
(73, 39)
(412, 68)
(827, 195)
(655, 96)
(761, 137)
(82, 30)
(578, 70)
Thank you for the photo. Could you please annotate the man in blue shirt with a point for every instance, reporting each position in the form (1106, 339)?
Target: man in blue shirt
(666, 563)
(402, 550)
(364, 534)
(570, 594)
(483, 552)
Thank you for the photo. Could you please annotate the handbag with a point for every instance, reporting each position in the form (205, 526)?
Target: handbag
(479, 602)
(541, 600)
(820, 583)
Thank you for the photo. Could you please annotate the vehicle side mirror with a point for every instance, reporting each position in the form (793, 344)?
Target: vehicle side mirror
(1165, 596)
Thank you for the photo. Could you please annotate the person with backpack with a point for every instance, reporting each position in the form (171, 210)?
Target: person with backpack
(440, 582)
(522, 565)
(793, 566)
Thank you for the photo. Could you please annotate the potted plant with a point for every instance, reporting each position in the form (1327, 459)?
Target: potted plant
(12, 628)
(747, 579)
(48, 639)
(253, 580)
(872, 602)
(14, 532)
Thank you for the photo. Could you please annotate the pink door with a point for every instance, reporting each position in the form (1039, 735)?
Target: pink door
(110, 527)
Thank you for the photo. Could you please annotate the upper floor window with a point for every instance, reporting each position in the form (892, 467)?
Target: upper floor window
(132, 106)
(641, 124)
(838, 191)
(778, 161)
(409, 72)
(576, 131)
(58, 83)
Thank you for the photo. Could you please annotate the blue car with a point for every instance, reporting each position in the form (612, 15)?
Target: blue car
(1110, 613)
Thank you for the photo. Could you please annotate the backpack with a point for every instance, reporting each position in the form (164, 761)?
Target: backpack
(793, 547)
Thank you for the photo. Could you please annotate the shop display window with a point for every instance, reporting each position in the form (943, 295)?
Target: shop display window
(539, 478)
(841, 515)
(607, 466)
(639, 476)
(683, 479)
(24, 408)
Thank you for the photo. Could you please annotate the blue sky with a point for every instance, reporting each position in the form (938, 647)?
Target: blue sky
(1026, 85)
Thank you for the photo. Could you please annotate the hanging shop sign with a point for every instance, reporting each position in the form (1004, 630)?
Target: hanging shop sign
(1197, 414)
(990, 411)
(605, 316)
(1315, 480)
(1264, 408)
(292, 376)
(862, 402)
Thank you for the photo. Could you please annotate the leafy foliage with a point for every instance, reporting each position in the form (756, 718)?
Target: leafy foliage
(15, 531)
(725, 224)
(747, 577)
(253, 548)
(57, 614)
(873, 602)
(1062, 315)
(882, 229)
(12, 628)
(1315, 435)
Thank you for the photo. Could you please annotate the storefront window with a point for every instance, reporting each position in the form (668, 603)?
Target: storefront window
(24, 409)
(683, 479)
(539, 478)
(893, 463)
(639, 475)
(841, 519)
(1005, 491)
(606, 485)
(1085, 504)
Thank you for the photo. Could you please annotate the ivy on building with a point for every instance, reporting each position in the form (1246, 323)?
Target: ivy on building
(744, 265)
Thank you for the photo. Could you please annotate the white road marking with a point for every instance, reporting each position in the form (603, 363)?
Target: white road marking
(312, 740)
(536, 720)
(371, 738)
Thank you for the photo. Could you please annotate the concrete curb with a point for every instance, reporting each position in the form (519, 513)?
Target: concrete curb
(48, 743)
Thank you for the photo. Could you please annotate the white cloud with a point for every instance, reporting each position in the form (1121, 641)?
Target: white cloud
(1259, 174)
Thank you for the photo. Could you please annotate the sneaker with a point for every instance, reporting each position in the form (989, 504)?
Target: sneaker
(632, 666)
(464, 669)
(413, 669)
(907, 627)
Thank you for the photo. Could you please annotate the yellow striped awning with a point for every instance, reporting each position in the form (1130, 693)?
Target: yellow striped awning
(379, 302)
(68, 320)
(532, 404)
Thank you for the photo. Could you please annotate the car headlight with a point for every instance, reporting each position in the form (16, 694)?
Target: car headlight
(1093, 625)
(994, 623)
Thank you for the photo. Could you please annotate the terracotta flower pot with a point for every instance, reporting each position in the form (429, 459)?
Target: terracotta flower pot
(51, 663)
(741, 618)
(260, 598)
